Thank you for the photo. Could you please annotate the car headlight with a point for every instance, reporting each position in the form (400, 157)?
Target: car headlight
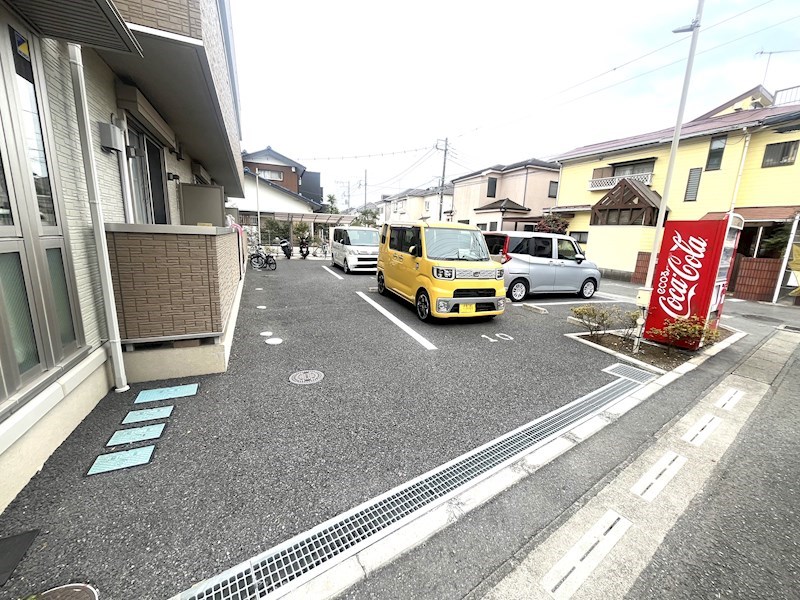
(350, 251)
(499, 274)
(444, 272)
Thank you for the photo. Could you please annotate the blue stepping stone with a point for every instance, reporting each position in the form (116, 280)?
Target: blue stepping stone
(167, 393)
(147, 414)
(136, 434)
(113, 461)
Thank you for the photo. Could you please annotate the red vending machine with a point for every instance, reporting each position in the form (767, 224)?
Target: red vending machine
(692, 273)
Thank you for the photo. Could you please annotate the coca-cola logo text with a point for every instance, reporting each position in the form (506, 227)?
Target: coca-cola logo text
(677, 284)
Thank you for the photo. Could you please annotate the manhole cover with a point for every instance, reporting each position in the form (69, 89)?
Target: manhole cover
(306, 377)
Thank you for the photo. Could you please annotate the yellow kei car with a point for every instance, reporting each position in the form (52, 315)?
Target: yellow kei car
(444, 269)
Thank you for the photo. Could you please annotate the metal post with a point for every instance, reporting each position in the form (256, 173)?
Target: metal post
(258, 210)
(441, 188)
(644, 293)
(365, 189)
(785, 259)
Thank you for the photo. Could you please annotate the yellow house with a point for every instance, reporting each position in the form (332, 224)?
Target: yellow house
(740, 155)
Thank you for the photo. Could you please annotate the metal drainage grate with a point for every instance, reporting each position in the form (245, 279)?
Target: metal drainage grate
(629, 372)
(292, 559)
(306, 377)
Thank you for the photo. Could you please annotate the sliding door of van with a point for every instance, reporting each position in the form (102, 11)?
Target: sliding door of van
(542, 266)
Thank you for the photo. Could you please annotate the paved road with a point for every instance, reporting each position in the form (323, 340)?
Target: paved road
(741, 537)
(252, 459)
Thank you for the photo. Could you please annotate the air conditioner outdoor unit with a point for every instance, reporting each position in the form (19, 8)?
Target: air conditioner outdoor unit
(200, 172)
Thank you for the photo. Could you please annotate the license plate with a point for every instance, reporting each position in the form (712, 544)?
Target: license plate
(466, 308)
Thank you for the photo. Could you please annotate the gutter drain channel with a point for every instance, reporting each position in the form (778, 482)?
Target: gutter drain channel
(336, 538)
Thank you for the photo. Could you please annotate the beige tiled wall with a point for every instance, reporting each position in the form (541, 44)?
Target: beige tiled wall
(175, 16)
(172, 284)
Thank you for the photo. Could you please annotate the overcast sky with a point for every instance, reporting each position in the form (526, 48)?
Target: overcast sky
(504, 81)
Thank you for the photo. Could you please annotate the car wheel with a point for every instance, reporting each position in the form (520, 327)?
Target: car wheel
(518, 290)
(345, 267)
(588, 289)
(424, 306)
(381, 285)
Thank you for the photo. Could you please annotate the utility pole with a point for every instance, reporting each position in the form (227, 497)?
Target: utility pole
(441, 187)
(365, 189)
(348, 194)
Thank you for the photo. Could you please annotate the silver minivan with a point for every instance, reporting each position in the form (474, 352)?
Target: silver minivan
(542, 263)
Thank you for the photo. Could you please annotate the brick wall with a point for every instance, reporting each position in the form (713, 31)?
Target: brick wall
(228, 267)
(170, 285)
(176, 16)
(640, 273)
(756, 278)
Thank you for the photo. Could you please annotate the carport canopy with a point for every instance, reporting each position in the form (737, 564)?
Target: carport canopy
(330, 219)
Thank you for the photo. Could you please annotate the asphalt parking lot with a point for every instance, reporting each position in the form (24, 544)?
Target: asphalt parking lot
(253, 459)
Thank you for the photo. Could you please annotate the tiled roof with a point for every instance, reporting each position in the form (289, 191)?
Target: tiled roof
(267, 153)
(758, 213)
(420, 193)
(531, 162)
(699, 127)
(505, 204)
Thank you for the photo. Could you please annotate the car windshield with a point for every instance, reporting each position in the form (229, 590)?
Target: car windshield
(455, 244)
(363, 237)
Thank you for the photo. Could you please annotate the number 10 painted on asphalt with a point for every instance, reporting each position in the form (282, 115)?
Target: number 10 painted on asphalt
(499, 336)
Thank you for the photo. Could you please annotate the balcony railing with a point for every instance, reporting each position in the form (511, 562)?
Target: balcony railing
(606, 183)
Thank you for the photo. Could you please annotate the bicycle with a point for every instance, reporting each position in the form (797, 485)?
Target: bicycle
(322, 250)
(260, 259)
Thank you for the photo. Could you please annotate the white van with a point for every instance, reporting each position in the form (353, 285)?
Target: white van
(355, 248)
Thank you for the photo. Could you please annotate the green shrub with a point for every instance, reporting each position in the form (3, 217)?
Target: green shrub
(597, 318)
(690, 331)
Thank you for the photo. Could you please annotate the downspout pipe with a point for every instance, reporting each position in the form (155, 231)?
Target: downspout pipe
(98, 225)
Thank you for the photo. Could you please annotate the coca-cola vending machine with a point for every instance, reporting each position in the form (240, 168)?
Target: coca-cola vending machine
(692, 273)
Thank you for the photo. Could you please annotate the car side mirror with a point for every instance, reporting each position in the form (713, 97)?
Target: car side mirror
(579, 258)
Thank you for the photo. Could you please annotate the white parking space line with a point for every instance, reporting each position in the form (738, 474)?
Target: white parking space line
(729, 399)
(702, 429)
(569, 573)
(577, 302)
(332, 273)
(659, 475)
(619, 297)
(423, 341)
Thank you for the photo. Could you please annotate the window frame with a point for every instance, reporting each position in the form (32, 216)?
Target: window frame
(141, 131)
(28, 237)
(584, 234)
(711, 150)
(491, 187)
(550, 192)
(793, 144)
(532, 246)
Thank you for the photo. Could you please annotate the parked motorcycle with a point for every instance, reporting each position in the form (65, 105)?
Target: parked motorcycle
(304, 249)
(286, 247)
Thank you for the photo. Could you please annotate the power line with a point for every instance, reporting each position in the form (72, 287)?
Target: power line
(678, 41)
(597, 91)
(377, 155)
